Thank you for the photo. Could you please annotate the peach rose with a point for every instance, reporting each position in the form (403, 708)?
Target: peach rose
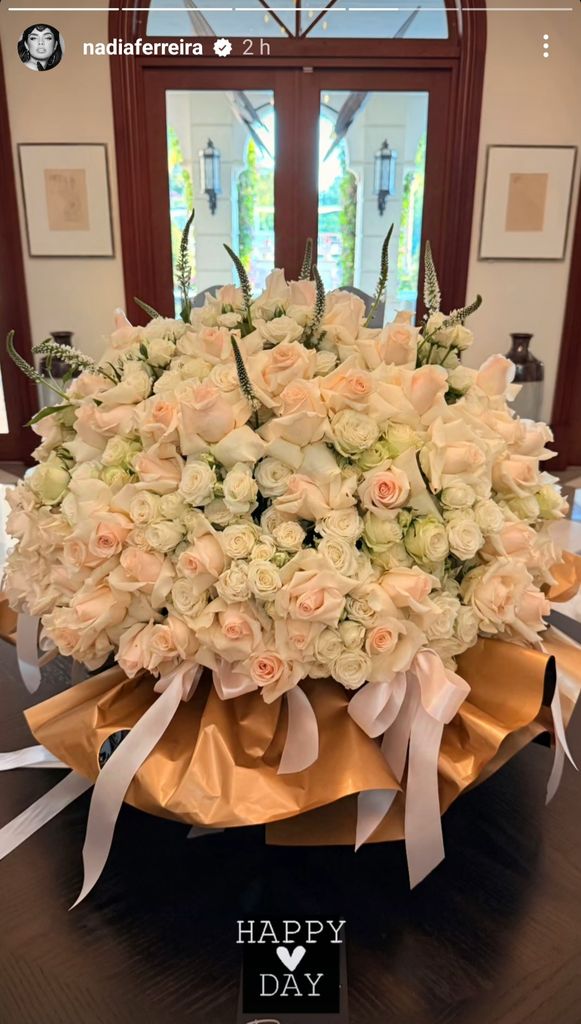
(98, 606)
(160, 468)
(517, 474)
(279, 366)
(409, 588)
(94, 424)
(347, 387)
(317, 595)
(392, 646)
(495, 375)
(157, 419)
(426, 388)
(134, 648)
(384, 490)
(234, 632)
(205, 413)
(108, 537)
(303, 499)
(273, 675)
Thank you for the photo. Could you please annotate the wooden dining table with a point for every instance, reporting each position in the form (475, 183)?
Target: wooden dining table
(492, 936)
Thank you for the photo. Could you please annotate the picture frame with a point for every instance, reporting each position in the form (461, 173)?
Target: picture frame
(527, 199)
(66, 195)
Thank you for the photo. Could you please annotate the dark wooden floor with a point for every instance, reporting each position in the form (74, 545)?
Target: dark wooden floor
(492, 937)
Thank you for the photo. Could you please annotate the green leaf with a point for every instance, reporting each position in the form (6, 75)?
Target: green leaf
(143, 350)
(47, 411)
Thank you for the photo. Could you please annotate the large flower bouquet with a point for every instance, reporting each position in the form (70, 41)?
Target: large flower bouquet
(272, 490)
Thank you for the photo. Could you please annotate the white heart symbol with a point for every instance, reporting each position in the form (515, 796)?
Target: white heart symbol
(290, 960)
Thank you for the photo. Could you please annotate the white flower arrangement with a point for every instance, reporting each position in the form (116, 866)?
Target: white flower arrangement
(272, 489)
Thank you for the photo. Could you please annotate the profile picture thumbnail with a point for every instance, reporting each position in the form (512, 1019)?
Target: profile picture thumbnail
(41, 47)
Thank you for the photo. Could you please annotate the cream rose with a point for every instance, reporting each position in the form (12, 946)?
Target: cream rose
(464, 537)
(289, 535)
(282, 329)
(49, 482)
(272, 477)
(426, 540)
(164, 535)
(240, 489)
(351, 669)
(264, 580)
(233, 585)
(238, 540)
(144, 508)
(197, 483)
(353, 431)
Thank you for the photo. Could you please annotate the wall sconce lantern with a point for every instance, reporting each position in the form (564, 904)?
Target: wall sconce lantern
(384, 175)
(210, 174)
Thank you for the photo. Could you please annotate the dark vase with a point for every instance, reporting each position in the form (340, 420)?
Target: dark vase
(59, 367)
(530, 373)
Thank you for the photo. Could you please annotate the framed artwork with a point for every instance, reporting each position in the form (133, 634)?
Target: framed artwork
(67, 199)
(527, 202)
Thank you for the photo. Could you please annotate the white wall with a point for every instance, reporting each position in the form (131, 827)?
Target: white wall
(71, 103)
(527, 100)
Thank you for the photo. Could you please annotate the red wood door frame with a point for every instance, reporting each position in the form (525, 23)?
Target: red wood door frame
(457, 61)
(566, 418)
(19, 393)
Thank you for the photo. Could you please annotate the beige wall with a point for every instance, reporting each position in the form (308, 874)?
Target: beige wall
(71, 103)
(526, 100)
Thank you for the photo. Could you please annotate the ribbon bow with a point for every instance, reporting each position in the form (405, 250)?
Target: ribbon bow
(410, 712)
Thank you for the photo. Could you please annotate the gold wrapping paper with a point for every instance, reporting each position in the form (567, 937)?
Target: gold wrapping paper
(216, 765)
(567, 575)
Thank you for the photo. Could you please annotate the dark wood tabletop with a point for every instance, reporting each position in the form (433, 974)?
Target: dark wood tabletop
(493, 936)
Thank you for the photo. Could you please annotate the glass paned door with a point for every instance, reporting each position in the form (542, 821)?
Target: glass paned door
(372, 154)
(221, 149)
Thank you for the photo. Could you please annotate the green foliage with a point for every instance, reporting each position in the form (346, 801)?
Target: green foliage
(347, 219)
(30, 371)
(383, 275)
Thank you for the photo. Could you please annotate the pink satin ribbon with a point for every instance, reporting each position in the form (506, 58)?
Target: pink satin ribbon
(561, 745)
(410, 712)
(116, 775)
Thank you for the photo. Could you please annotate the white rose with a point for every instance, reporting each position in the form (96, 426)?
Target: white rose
(281, 329)
(137, 538)
(186, 598)
(264, 549)
(194, 369)
(352, 634)
(240, 489)
(115, 477)
(458, 495)
(164, 536)
(464, 537)
(551, 502)
(351, 669)
(272, 477)
(391, 556)
(399, 437)
(171, 506)
(461, 378)
(493, 591)
(380, 532)
(328, 646)
(218, 513)
(525, 508)
(144, 508)
(271, 518)
(264, 580)
(160, 351)
(197, 483)
(489, 516)
(228, 319)
(49, 482)
(426, 540)
(289, 535)
(118, 450)
(233, 586)
(441, 626)
(341, 554)
(324, 363)
(353, 431)
(341, 522)
(238, 540)
(225, 377)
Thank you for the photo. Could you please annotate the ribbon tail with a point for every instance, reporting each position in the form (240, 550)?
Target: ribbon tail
(27, 650)
(29, 757)
(372, 806)
(43, 810)
(198, 831)
(423, 824)
(301, 748)
(561, 745)
(114, 780)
